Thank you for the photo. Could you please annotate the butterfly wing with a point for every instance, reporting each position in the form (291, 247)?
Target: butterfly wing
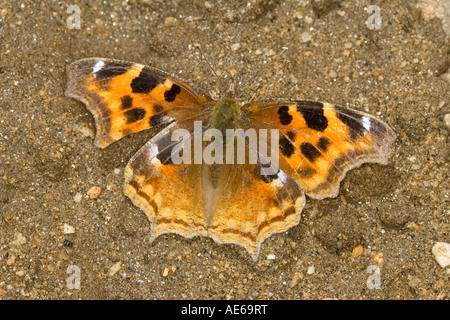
(320, 142)
(254, 206)
(126, 97)
(169, 194)
(231, 203)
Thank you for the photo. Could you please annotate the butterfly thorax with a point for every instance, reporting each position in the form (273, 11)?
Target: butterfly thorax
(225, 114)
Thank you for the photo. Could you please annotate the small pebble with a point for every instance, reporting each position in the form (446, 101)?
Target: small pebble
(412, 226)
(270, 257)
(357, 251)
(18, 239)
(428, 10)
(378, 257)
(166, 270)
(67, 243)
(68, 229)
(20, 273)
(43, 94)
(311, 270)
(114, 268)
(297, 277)
(446, 76)
(441, 252)
(229, 16)
(306, 36)
(77, 197)
(332, 74)
(94, 192)
(11, 260)
(169, 21)
(447, 120)
(111, 187)
(99, 22)
(297, 15)
(208, 5)
(235, 46)
(270, 53)
(116, 171)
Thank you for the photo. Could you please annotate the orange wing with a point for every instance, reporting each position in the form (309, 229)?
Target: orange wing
(320, 142)
(126, 97)
(229, 203)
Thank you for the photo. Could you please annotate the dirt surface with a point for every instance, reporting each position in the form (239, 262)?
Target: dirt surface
(372, 242)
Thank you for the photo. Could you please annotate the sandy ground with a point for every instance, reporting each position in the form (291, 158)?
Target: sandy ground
(372, 242)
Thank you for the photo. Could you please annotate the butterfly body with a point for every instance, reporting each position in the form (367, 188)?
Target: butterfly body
(226, 114)
(229, 199)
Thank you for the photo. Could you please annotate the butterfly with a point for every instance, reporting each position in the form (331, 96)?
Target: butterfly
(235, 203)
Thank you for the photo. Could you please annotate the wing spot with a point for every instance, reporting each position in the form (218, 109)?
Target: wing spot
(286, 146)
(145, 82)
(323, 143)
(312, 112)
(309, 151)
(306, 172)
(127, 102)
(285, 117)
(165, 156)
(157, 119)
(157, 108)
(134, 115)
(172, 93)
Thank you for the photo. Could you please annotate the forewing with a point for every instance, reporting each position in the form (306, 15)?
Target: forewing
(126, 97)
(320, 142)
